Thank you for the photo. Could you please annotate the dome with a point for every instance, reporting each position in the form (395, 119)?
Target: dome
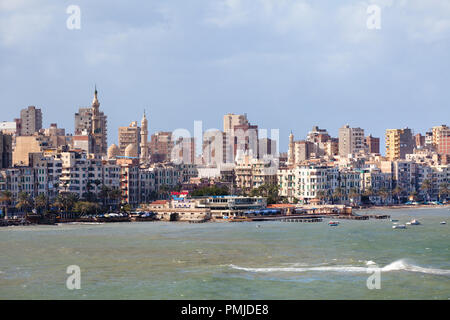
(131, 151)
(113, 151)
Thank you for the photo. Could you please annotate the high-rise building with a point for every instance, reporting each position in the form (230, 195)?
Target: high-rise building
(31, 120)
(24, 146)
(420, 140)
(441, 136)
(373, 144)
(129, 135)
(5, 150)
(94, 122)
(351, 140)
(399, 143)
(161, 145)
(231, 120)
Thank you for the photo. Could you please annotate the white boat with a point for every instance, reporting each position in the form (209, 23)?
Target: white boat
(400, 226)
(443, 222)
(414, 222)
(333, 223)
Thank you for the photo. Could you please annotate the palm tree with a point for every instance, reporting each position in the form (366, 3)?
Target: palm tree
(41, 202)
(338, 193)
(384, 194)
(24, 202)
(426, 186)
(115, 194)
(104, 194)
(66, 201)
(321, 195)
(353, 194)
(443, 191)
(6, 197)
(397, 192)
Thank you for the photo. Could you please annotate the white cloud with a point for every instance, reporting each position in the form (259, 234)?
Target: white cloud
(22, 22)
(282, 15)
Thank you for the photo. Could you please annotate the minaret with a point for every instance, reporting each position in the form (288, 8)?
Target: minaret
(97, 127)
(291, 152)
(144, 138)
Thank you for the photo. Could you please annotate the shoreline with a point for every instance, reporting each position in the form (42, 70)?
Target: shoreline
(408, 206)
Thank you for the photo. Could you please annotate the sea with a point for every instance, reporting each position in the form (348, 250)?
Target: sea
(240, 261)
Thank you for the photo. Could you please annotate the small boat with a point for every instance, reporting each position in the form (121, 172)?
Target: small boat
(333, 223)
(400, 226)
(443, 222)
(394, 220)
(414, 222)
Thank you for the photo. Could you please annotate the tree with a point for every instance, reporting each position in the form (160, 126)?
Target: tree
(384, 194)
(353, 194)
(397, 192)
(66, 201)
(210, 191)
(115, 194)
(443, 191)
(24, 202)
(321, 195)
(104, 194)
(86, 207)
(425, 187)
(368, 192)
(269, 191)
(338, 193)
(6, 196)
(41, 202)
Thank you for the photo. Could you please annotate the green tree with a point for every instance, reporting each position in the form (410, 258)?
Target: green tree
(397, 192)
(269, 191)
(211, 191)
(6, 198)
(66, 201)
(426, 187)
(384, 194)
(338, 193)
(321, 195)
(353, 194)
(41, 202)
(443, 191)
(24, 202)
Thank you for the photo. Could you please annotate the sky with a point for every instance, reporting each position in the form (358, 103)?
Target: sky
(288, 64)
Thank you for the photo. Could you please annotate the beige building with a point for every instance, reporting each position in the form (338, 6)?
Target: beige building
(31, 120)
(399, 143)
(253, 173)
(24, 146)
(439, 134)
(351, 140)
(129, 135)
(161, 145)
(231, 120)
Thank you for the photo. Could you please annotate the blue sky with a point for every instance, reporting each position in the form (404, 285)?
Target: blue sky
(288, 64)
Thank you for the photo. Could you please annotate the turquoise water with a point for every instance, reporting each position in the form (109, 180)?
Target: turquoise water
(157, 260)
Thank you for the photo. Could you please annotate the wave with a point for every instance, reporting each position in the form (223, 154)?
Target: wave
(399, 265)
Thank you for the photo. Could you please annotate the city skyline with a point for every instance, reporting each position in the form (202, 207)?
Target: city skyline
(200, 61)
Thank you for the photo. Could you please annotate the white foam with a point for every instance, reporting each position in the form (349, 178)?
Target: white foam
(399, 265)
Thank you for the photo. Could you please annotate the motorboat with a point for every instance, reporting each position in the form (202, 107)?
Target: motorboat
(333, 223)
(400, 226)
(414, 222)
(443, 222)
(394, 220)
